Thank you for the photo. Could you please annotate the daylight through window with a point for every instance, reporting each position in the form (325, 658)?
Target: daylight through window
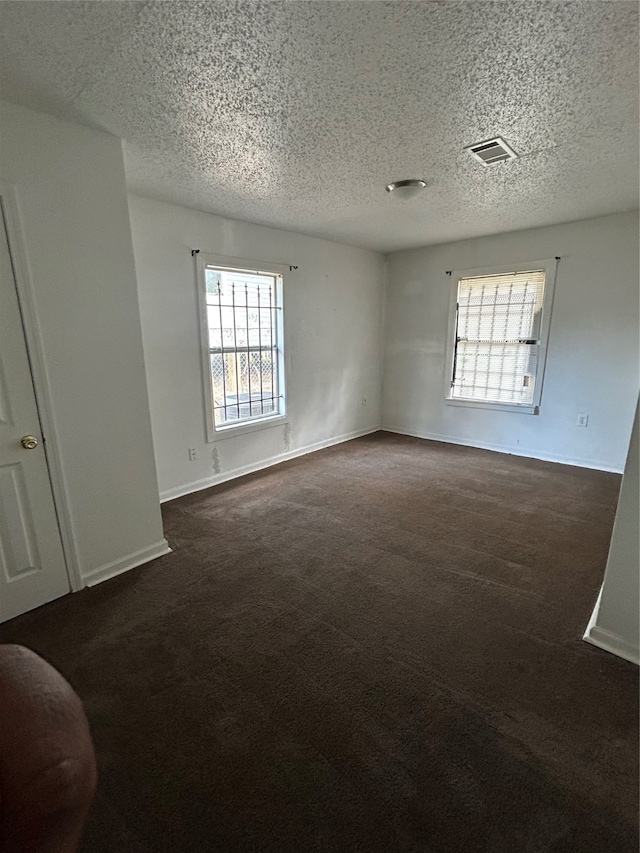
(497, 342)
(245, 344)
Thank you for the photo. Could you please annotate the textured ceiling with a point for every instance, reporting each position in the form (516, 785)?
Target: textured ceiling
(297, 114)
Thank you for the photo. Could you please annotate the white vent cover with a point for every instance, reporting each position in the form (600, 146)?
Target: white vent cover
(491, 151)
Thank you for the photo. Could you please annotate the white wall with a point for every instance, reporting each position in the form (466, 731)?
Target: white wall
(615, 624)
(332, 337)
(70, 187)
(592, 362)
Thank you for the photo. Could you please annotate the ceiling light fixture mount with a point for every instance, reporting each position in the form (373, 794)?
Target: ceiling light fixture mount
(408, 188)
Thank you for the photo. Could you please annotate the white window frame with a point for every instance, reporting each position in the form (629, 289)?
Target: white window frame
(203, 261)
(549, 265)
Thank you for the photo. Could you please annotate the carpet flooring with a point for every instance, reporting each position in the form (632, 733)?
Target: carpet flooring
(376, 647)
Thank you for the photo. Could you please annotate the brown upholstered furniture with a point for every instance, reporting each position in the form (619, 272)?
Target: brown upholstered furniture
(47, 760)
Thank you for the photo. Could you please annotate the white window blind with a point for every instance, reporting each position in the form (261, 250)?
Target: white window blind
(497, 342)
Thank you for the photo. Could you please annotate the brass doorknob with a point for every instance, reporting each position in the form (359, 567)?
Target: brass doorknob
(29, 442)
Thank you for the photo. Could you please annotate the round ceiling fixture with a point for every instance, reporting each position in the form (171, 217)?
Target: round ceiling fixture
(407, 188)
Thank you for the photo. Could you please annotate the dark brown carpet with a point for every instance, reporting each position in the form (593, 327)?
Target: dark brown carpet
(373, 648)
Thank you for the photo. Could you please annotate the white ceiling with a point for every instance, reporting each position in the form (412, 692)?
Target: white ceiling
(297, 114)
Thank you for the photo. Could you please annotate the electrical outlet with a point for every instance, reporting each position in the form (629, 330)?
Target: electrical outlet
(193, 454)
(583, 420)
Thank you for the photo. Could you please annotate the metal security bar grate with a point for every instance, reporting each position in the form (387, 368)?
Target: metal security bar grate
(498, 337)
(244, 346)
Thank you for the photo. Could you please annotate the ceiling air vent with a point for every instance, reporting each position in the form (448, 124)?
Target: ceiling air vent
(491, 151)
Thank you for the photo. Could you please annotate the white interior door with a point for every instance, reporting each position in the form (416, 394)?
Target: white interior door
(32, 565)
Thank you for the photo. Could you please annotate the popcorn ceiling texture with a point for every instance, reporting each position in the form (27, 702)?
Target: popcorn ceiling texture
(297, 114)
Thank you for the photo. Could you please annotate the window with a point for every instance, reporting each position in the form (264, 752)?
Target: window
(242, 332)
(499, 335)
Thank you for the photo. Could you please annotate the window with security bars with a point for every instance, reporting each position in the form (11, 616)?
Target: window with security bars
(498, 337)
(245, 345)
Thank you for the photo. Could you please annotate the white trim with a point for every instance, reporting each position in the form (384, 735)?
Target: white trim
(607, 640)
(594, 615)
(500, 448)
(39, 372)
(486, 404)
(207, 482)
(614, 644)
(205, 358)
(123, 564)
(230, 430)
(550, 266)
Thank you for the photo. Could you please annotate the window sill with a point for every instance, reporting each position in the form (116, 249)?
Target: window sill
(496, 407)
(232, 430)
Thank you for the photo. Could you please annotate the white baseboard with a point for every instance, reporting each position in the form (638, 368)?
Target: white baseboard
(117, 567)
(216, 479)
(608, 641)
(613, 643)
(594, 616)
(501, 448)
